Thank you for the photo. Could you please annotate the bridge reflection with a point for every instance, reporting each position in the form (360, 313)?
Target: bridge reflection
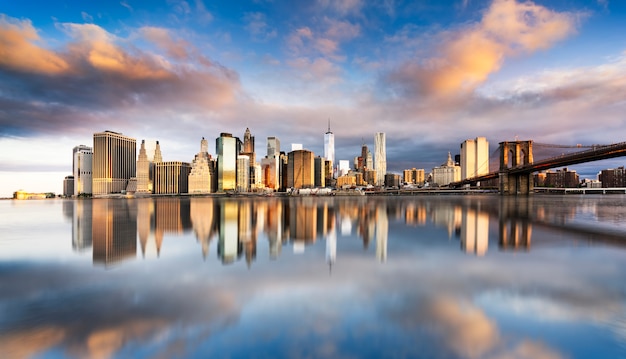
(118, 229)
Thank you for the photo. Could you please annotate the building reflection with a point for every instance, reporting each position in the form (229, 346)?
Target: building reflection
(81, 224)
(474, 231)
(229, 247)
(114, 230)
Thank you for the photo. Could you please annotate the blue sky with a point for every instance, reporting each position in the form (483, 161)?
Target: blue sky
(428, 74)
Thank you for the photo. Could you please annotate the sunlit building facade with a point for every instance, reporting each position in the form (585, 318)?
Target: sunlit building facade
(243, 173)
(380, 157)
(171, 177)
(300, 169)
(200, 175)
(227, 149)
(82, 167)
(446, 173)
(144, 182)
(114, 162)
(329, 145)
(474, 157)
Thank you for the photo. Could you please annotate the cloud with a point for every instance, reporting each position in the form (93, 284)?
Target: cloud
(258, 28)
(86, 16)
(125, 4)
(324, 41)
(18, 51)
(342, 7)
(468, 56)
(98, 79)
(177, 49)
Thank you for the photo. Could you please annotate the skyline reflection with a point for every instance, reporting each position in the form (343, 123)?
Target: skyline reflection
(364, 277)
(114, 228)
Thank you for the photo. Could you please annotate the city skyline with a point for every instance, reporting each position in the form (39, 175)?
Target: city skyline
(428, 75)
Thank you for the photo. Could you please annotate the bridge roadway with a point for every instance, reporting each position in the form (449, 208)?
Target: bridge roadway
(594, 154)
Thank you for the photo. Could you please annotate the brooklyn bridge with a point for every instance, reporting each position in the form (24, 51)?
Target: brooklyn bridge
(517, 165)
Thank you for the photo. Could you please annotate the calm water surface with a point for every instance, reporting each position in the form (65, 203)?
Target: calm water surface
(367, 277)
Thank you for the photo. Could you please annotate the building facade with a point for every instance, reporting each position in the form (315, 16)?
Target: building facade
(474, 159)
(227, 148)
(329, 146)
(82, 168)
(300, 169)
(114, 162)
(144, 182)
(68, 186)
(446, 173)
(413, 176)
(380, 158)
(320, 174)
(243, 173)
(613, 177)
(200, 176)
(171, 177)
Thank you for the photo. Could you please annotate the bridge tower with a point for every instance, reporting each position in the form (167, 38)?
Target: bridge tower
(513, 155)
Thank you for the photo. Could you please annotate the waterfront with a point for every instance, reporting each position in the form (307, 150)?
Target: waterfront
(418, 276)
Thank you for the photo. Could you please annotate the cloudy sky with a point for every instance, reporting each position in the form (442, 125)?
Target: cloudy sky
(428, 74)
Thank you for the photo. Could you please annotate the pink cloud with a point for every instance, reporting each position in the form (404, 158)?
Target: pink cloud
(468, 56)
(19, 52)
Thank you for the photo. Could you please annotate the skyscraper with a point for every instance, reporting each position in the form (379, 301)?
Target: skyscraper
(271, 164)
(82, 169)
(380, 158)
(114, 162)
(200, 175)
(300, 169)
(329, 145)
(474, 157)
(248, 150)
(243, 173)
(227, 149)
(144, 184)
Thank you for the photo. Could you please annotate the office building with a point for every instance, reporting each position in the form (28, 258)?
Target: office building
(413, 176)
(392, 180)
(68, 186)
(329, 145)
(446, 173)
(562, 178)
(144, 182)
(171, 177)
(320, 175)
(613, 177)
(380, 158)
(474, 158)
(82, 166)
(114, 162)
(200, 176)
(247, 149)
(227, 148)
(243, 173)
(300, 169)
(270, 165)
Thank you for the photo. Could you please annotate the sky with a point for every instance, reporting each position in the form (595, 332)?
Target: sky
(430, 74)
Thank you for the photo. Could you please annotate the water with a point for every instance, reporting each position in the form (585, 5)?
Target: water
(358, 277)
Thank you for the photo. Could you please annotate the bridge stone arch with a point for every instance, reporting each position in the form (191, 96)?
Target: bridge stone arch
(522, 155)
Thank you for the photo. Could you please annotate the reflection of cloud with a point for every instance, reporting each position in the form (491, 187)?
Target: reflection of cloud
(29, 342)
(466, 329)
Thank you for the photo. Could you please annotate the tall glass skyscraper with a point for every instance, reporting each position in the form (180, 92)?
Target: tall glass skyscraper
(380, 158)
(329, 145)
(226, 147)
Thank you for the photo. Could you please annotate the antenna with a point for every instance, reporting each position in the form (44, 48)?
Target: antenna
(329, 124)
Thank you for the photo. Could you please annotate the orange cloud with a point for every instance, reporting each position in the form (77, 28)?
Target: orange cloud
(18, 52)
(467, 57)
